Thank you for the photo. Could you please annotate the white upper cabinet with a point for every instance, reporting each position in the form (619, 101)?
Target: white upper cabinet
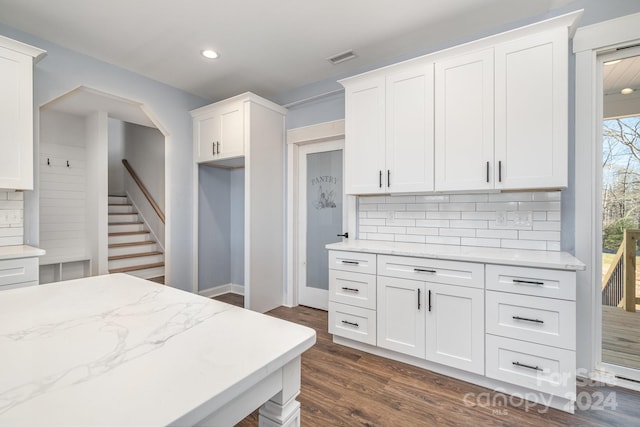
(409, 118)
(531, 102)
(16, 114)
(365, 136)
(220, 131)
(464, 122)
(493, 115)
(389, 131)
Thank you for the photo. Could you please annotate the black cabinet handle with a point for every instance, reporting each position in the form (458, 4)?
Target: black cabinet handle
(528, 282)
(429, 299)
(350, 323)
(345, 235)
(522, 365)
(380, 179)
(423, 270)
(418, 298)
(350, 289)
(218, 147)
(500, 171)
(527, 320)
(213, 149)
(487, 171)
(350, 262)
(388, 178)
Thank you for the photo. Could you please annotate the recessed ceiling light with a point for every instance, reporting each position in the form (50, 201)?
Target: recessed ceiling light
(614, 62)
(209, 53)
(626, 91)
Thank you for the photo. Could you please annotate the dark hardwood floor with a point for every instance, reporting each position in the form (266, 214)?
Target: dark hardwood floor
(347, 387)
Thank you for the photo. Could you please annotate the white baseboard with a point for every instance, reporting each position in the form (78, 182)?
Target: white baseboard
(222, 289)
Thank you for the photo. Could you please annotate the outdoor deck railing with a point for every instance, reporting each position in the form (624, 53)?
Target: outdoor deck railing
(619, 284)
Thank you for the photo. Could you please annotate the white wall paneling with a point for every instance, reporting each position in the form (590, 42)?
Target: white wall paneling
(11, 218)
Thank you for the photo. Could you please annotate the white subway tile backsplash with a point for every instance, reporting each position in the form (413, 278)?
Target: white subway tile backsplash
(380, 236)
(442, 240)
(443, 215)
(400, 199)
(423, 231)
(366, 200)
(432, 223)
(459, 232)
(464, 223)
(468, 198)
(457, 207)
(412, 238)
(485, 243)
(532, 219)
(11, 218)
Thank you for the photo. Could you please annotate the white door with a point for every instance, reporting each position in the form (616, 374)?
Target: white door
(401, 315)
(455, 326)
(464, 122)
(409, 148)
(365, 134)
(321, 213)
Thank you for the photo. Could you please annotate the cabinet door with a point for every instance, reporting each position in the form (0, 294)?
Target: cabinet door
(455, 326)
(16, 120)
(531, 111)
(365, 137)
(464, 122)
(409, 133)
(231, 122)
(207, 132)
(401, 315)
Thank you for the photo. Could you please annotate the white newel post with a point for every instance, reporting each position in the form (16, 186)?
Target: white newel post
(283, 409)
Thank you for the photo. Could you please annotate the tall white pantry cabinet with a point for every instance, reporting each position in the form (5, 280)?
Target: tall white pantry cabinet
(239, 189)
(16, 113)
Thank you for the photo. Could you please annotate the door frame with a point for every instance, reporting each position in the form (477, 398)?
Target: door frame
(322, 132)
(306, 149)
(590, 42)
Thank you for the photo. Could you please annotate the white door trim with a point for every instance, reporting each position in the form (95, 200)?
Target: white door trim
(589, 42)
(297, 137)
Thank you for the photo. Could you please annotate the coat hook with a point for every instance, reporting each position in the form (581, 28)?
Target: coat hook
(68, 164)
(48, 162)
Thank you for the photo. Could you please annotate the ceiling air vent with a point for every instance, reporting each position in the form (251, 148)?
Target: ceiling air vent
(341, 57)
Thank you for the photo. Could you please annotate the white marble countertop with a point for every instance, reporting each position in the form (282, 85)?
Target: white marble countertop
(118, 350)
(20, 251)
(519, 257)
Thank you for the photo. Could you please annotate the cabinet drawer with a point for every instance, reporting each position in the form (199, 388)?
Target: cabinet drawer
(432, 270)
(18, 271)
(352, 261)
(539, 367)
(355, 323)
(540, 320)
(355, 289)
(532, 281)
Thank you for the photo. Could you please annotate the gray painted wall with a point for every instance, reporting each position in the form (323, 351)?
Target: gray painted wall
(116, 154)
(63, 70)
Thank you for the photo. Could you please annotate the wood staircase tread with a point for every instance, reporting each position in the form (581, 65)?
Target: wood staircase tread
(122, 245)
(117, 195)
(137, 267)
(128, 233)
(123, 213)
(137, 255)
(126, 223)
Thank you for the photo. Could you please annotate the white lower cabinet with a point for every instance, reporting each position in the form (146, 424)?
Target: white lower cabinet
(18, 273)
(455, 326)
(520, 330)
(401, 315)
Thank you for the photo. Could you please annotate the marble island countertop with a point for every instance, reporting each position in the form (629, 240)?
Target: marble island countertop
(20, 251)
(118, 350)
(519, 257)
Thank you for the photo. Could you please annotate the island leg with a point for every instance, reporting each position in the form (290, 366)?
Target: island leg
(283, 409)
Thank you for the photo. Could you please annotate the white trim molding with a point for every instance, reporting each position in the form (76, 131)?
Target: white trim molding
(590, 42)
(295, 138)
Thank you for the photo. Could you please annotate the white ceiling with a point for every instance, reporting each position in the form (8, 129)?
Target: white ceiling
(269, 47)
